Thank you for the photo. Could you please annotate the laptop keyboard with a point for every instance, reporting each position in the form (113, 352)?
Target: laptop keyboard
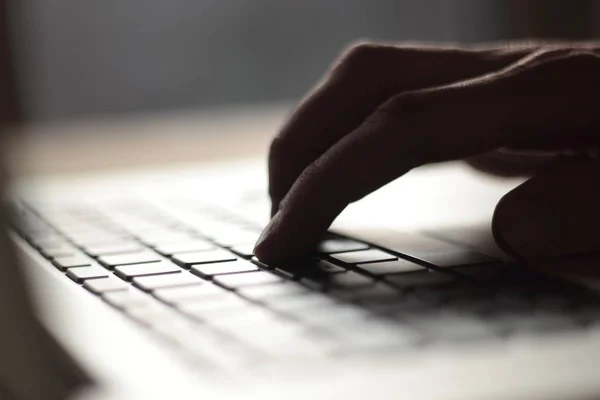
(192, 279)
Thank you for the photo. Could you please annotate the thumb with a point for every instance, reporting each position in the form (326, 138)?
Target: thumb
(555, 213)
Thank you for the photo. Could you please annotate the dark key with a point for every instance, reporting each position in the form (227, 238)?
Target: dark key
(390, 267)
(340, 245)
(184, 247)
(149, 283)
(420, 278)
(457, 257)
(305, 266)
(79, 274)
(495, 273)
(63, 263)
(247, 279)
(364, 256)
(106, 249)
(372, 294)
(349, 280)
(142, 257)
(203, 257)
(229, 267)
(129, 272)
(326, 267)
(104, 285)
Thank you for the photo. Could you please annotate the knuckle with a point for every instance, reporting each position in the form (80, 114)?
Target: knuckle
(567, 57)
(567, 68)
(359, 51)
(360, 58)
(584, 61)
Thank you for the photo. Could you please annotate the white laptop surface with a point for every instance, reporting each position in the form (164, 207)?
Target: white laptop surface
(423, 339)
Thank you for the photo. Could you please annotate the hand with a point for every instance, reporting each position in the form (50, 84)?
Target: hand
(383, 110)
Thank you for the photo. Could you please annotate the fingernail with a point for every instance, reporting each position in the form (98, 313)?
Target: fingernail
(259, 247)
(528, 231)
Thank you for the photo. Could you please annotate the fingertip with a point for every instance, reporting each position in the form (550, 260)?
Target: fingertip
(263, 247)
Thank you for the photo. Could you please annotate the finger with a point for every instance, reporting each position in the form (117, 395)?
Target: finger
(367, 76)
(519, 104)
(509, 164)
(552, 214)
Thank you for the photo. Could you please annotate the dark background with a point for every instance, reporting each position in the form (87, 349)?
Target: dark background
(80, 58)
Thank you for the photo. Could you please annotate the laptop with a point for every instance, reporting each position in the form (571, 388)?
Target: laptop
(143, 284)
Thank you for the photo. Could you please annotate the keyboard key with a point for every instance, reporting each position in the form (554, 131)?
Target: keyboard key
(448, 326)
(164, 237)
(420, 278)
(203, 257)
(95, 237)
(349, 280)
(273, 335)
(236, 237)
(221, 268)
(103, 285)
(364, 256)
(57, 248)
(330, 313)
(495, 273)
(149, 283)
(308, 266)
(113, 248)
(360, 334)
(188, 294)
(241, 324)
(266, 292)
(372, 294)
(234, 281)
(184, 247)
(215, 349)
(340, 245)
(63, 263)
(246, 251)
(308, 300)
(322, 267)
(127, 299)
(216, 307)
(79, 274)
(390, 267)
(155, 315)
(129, 259)
(129, 272)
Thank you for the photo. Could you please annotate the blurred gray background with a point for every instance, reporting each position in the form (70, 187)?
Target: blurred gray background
(80, 58)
